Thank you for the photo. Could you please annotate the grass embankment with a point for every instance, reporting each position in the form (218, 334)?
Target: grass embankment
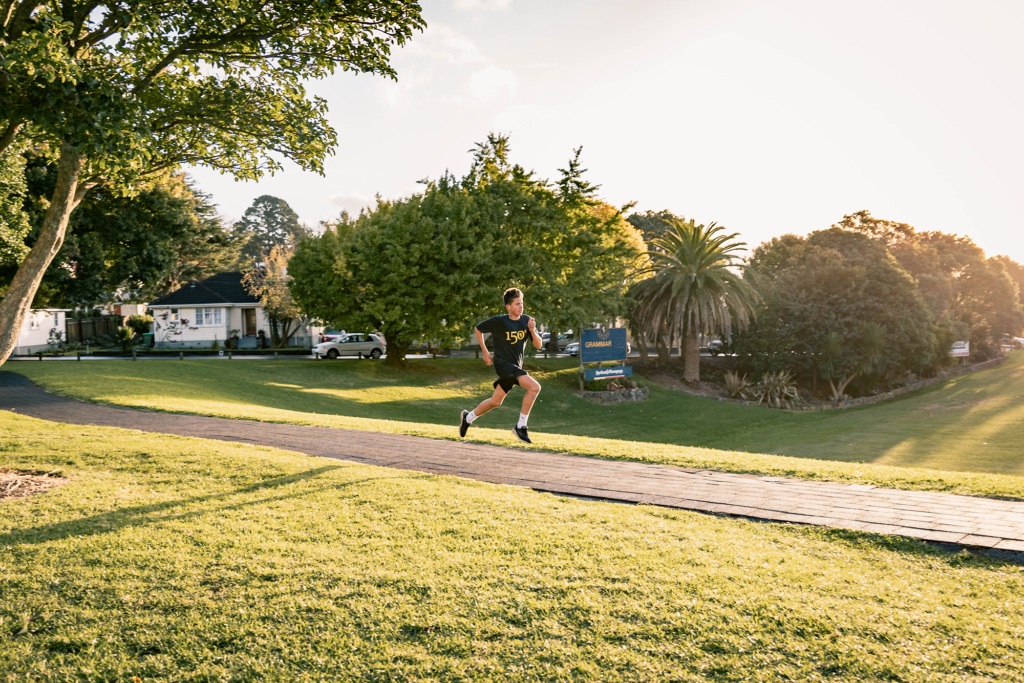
(914, 438)
(190, 560)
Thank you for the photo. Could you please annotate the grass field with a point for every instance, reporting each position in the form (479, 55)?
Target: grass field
(177, 559)
(958, 436)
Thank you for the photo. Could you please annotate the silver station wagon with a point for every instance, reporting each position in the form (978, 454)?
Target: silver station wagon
(359, 344)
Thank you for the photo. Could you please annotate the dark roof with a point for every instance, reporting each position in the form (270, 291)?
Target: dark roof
(222, 288)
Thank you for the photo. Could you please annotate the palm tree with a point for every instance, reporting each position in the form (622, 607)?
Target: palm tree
(695, 288)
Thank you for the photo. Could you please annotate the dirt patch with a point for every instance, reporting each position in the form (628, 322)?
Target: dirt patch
(671, 382)
(21, 484)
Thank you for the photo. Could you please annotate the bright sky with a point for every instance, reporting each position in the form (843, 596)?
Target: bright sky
(765, 117)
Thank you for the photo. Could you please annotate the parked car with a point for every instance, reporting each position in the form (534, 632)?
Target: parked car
(331, 335)
(563, 339)
(715, 347)
(352, 345)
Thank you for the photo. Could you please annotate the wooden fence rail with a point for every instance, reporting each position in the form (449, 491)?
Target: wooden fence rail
(89, 329)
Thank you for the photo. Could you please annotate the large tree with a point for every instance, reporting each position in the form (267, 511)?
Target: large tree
(836, 282)
(574, 254)
(208, 247)
(270, 222)
(413, 268)
(432, 265)
(118, 91)
(695, 288)
(121, 248)
(970, 295)
(268, 281)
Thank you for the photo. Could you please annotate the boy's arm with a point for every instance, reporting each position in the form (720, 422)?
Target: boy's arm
(532, 326)
(483, 347)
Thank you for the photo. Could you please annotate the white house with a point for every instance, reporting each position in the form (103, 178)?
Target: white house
(215, 309)
(35, 330)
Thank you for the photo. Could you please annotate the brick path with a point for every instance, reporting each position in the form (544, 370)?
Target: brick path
(963, 520)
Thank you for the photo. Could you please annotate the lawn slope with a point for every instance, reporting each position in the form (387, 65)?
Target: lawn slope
(171, 559)
(424, 400)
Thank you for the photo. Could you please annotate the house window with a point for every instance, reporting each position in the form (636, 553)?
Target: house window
(34, 321)
(174, 314)
(208, 316)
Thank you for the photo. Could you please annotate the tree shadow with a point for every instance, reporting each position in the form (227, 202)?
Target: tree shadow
(157, 513)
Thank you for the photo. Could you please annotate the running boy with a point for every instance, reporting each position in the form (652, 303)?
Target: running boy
(508, 334)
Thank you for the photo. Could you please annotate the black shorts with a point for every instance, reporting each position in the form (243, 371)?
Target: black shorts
(506, 383)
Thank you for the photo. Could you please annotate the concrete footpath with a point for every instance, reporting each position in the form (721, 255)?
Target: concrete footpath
(940, 517)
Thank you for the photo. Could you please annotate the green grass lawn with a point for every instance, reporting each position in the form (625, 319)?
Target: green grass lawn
(960, 436)
(178, 559)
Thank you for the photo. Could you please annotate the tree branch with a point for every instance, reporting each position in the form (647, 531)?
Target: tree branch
(5, 16)
(20, 18)
(7, 138)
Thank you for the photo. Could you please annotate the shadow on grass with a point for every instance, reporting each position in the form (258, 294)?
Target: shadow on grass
(158, 513)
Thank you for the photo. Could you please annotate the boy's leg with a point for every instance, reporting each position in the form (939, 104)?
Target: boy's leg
(467, 418)
(490, 403)
(532, 388)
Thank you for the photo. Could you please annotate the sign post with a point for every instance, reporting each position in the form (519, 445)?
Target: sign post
(960, 349)
(600, 345)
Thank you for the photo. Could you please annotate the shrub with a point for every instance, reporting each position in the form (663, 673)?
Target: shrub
(611, 384)
(126, 339)
(736, 385)
(777, 390)
(140, 323)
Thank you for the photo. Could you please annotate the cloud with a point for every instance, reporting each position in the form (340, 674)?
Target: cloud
(491, 83)
(482, 4)
(444, 44)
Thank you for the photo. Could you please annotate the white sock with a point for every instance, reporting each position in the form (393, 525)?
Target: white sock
(470, 416)
(522, 420)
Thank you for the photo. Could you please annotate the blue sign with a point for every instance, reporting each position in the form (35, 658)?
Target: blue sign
(605, 373)
(604, 343)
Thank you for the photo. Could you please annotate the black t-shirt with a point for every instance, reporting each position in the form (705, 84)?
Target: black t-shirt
(509, 340)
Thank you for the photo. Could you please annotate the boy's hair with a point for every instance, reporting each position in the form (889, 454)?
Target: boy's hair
(511, 294)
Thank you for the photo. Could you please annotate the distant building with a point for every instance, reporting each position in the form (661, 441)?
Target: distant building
(215, 309)
(36, 330)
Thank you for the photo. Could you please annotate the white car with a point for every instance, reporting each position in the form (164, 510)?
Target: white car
(361, 344)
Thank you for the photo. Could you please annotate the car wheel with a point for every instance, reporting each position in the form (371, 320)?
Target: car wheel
(375, 354)
(332, 354)
(714, 352)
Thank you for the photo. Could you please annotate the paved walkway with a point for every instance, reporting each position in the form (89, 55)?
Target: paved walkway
(941, 517)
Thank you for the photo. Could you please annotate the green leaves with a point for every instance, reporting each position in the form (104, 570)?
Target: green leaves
(694, 286)
(161, 83)
(435, 264)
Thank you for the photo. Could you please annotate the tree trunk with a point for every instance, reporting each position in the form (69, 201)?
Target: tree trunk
(641, 345)
(552, 345)
(18, 299)
(691, 357)
(660, 343)
(282, 338)
(396, 351)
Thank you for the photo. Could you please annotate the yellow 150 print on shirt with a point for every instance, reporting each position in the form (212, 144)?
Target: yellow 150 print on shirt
(516, 336)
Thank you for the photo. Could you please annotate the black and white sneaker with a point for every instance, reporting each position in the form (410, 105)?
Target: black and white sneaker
(464, 427)
(522, 434)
